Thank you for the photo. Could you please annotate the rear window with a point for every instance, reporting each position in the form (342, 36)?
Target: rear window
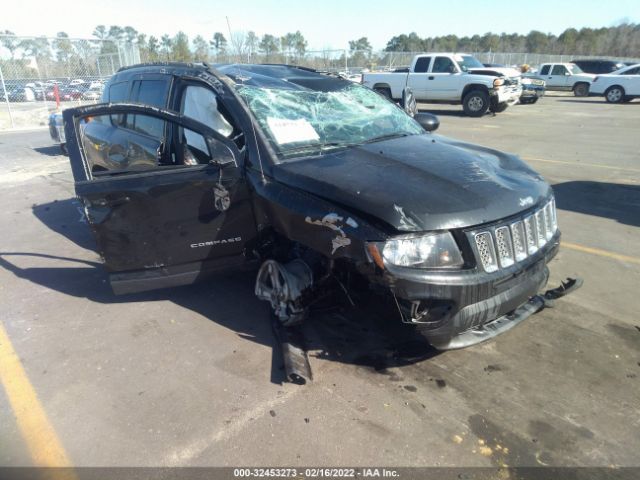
(118, 92)
(148, 92)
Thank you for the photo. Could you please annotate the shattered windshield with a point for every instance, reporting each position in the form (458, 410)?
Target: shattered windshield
(303, 121)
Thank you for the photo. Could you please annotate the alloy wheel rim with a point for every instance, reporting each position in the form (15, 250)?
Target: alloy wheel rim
(614, 95)
(475, 104)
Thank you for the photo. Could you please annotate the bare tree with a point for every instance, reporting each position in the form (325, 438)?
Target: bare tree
(239, 44)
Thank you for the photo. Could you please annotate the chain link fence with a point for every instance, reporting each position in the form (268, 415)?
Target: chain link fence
(359, 60)
(40, 75)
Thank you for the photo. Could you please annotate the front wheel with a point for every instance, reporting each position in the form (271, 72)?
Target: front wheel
(475, 103)
(614, 94)
(581, 89)
(283, 286)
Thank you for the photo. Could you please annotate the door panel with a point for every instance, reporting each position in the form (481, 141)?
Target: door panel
(632, 84)
(154, 220)
(418, 80)
(558, 77)
(158, 221)
(444, 79)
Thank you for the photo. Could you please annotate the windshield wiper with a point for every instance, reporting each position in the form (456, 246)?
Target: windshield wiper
(385, 137)
(322, 147)
(319, 148)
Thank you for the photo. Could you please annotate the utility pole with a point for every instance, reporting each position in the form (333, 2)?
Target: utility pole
(6, 98)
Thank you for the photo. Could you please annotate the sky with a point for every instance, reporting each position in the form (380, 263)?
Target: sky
(324, 23)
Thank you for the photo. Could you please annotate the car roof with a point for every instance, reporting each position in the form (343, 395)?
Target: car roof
(596, 60)
(170, 68)
(289, 77)
(262, 75)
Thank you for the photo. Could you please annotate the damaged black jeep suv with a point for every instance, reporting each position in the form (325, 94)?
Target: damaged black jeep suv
(186, 170)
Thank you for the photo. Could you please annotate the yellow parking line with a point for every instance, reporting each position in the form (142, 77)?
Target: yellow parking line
(581, 164)
(602, 253)
(37, 432)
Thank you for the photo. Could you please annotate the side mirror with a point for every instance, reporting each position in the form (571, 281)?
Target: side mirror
(221, 154)
(428, 121)
(463, 68)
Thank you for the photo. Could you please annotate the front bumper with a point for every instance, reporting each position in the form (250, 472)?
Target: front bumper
(532, 92)
(458, 309)
(508, 93)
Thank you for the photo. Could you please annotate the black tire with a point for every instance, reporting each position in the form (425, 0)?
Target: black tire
(475, 103)
(614, 94)
(384, 91)
(63, 149)
(499, 107)
(533, 100)
(581, 89)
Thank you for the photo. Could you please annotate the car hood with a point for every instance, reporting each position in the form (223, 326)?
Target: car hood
(420, 182)
(506, 71)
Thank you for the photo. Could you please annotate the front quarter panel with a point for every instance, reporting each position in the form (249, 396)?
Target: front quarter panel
(312, 221)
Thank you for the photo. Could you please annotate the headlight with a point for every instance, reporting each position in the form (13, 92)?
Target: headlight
(437, 250)
(498, 81)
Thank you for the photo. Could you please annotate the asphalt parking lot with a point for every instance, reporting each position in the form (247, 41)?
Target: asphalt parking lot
(190, 376)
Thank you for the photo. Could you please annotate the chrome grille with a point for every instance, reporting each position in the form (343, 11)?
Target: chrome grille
(505, 248)
(531, 234)
(487, 253)
(548, 221)
(503, 245)
(519, 247)
(540, 226)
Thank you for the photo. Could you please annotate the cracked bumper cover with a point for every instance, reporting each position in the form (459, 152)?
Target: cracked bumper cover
(466, 308)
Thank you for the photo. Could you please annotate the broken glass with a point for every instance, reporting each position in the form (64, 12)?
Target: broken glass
(303, 121)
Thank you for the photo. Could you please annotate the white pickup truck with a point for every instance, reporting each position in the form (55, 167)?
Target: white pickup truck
(565, 77)
(449, 78)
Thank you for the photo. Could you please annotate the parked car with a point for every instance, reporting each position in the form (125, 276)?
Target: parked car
(21, 94)
(598, 66)
(68, 94)
(318, 183)
(564, 77)
(533, 88)
(352, 77)
(92, 94)
(620, 86)
(448, 78)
